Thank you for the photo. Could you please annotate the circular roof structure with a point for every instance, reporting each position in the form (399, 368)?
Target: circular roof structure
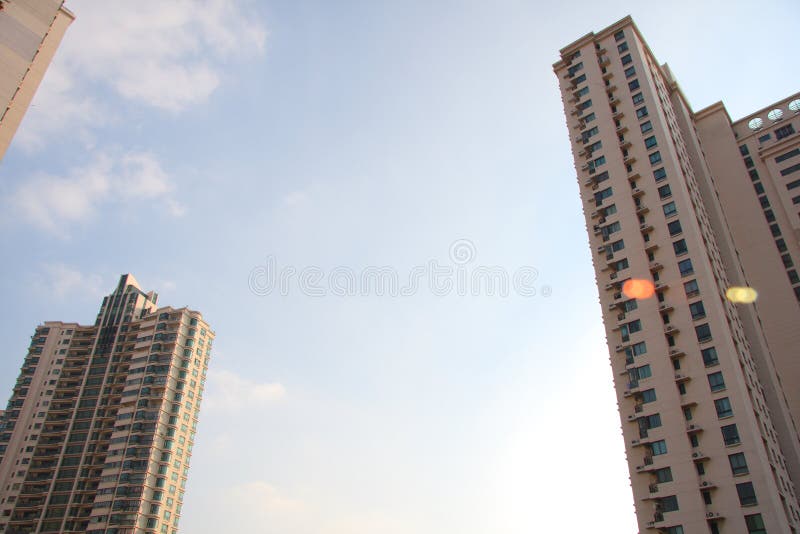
(794, 105)
(755, 124)
(775, 114)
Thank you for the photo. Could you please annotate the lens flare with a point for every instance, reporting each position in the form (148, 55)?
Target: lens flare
(741, 295)
(636, 288)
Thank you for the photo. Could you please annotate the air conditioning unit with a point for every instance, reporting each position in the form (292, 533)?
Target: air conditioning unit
(705, 483)
(697, 454)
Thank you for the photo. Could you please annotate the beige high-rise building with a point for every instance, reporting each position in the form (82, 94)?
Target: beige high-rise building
(692, 203)
(30, 32)
(98, 433)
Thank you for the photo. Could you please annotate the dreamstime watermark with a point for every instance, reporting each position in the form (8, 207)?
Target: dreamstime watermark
(458, 277)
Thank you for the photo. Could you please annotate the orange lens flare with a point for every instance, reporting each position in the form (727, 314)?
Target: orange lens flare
(638, 289)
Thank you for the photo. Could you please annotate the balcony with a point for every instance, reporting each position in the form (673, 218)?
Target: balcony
(665, 306)
(641, 209)
(692, 428)
(603, 61)
(646, 227)
(636, 192)
(671, 329)
(676, 353)
(679, 378)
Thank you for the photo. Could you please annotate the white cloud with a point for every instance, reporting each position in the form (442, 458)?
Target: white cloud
(165, 54)
(229, 392)
(53, 203)
(295, 198)
(60, 280)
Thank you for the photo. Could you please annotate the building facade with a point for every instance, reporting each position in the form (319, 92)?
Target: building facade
(98, 433)
(694, 204)
(30, 32)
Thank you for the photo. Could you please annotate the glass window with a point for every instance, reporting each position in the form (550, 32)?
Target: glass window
(646, 127)
(669, 504)
(664, 192)
(655, 157)
(686, 267)
(697, 310)
(641, 112)
(674, 228)
(663, 475)
(738, 464)
(650, 142)
(747, 494)
(680, 247)
(730, 434)
(691, 288)
(620, 35)
(648, 395)
(637, 99)
(622, 47)
(716, 382)
(670, 209)
(633, 85)
(710, 356)
(724, 408)
(626, 59)
(755, 524)
(703, 332)
(630, 72)
(658, 447)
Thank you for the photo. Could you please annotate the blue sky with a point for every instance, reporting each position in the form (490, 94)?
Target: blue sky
(190, 142)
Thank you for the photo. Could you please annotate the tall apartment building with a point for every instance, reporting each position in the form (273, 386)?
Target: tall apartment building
(98, 433)
(694, 204)
(30, 32)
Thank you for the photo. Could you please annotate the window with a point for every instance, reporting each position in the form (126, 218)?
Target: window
(630, 72)
(585, 105)
(790, 170)
(601, 195)
(707, 499)
(697, 310)
(677, 529)
(703, 332)
(589, 118)
(680, 247)
(620, 35)
(784, 131)
(633, 85)
(686, 267)
(730, 434)
(626, 59)
(753, 174)
(775, 229)
(622, 47)
(747, 494)
(738, 464)
(781, 244)
(743, 150)
(670, 209)
(648, 395)
(764, 201)
(658, 447)
(723, 407)
(646, 127)
(787, 261)
(639, 348)
(759, 188)
(664, 192)
(674, 228)
(629, 305)
(755, 524)
(710, 356)
(786, 155)
(748, 161)
(641, 112)
(652, 421)
(769, 215)
(669, 504)
(597, 162)
(716, 382)
(617, 245)
(655, 157)
(582, 91)
(640, 373)
(663, 475)
(650, 142)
